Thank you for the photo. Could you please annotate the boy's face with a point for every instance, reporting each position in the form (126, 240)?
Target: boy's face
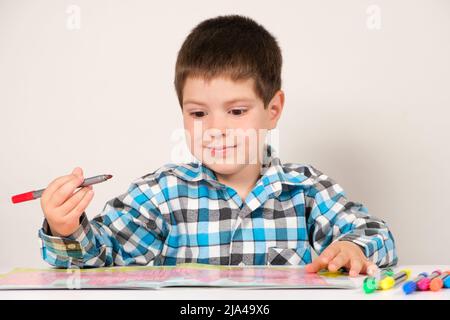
(226, 122)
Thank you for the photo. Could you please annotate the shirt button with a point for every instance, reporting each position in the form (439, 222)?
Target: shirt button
(72, 246)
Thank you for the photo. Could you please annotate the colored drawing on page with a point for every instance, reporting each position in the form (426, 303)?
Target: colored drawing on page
(155, 277)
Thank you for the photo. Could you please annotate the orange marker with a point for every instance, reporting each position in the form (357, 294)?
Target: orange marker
(438, 283)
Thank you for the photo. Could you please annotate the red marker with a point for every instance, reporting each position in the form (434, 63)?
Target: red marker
(38, 193)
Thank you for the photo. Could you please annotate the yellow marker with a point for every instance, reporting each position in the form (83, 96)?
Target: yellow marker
(332, 274)
(391, 281)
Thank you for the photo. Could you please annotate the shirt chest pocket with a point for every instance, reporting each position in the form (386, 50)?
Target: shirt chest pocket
(288, 256)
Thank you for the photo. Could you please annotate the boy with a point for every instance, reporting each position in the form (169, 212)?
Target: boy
(220, 209)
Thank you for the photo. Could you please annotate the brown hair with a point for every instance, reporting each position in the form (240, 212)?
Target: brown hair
(233, 46)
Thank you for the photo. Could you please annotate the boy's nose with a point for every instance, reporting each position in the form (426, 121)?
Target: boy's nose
(214, 136)
(219, 123)
(217, 126)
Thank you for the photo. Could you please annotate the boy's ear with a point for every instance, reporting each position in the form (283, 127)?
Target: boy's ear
(275, 108)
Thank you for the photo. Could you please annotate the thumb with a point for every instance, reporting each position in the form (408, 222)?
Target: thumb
(78, 171)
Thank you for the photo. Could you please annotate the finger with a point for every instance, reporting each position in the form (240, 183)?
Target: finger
(356, 266)
(321, 262)
(78, 171)
(66, 190)
(339, 261)
(315, 266)
(54, 185)
(72, 202)
(81, 206)
(329, 253)
(58, 182)
(370, 268)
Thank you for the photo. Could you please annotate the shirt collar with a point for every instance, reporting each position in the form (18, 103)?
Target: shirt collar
(272, 172)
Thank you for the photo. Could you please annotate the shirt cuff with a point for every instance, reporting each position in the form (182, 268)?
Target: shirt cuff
(369, 245)
(77, 245)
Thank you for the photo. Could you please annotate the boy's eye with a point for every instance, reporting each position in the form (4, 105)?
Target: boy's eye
(238, 112)
(198, 114)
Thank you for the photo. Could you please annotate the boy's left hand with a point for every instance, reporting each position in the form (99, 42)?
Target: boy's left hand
(343, 254)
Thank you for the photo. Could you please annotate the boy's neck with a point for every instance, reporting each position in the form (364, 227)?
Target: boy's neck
(242, 181)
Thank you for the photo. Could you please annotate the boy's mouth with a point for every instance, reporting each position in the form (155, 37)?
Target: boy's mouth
(220, 150)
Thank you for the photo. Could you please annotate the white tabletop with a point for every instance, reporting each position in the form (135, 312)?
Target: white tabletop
(190, 293)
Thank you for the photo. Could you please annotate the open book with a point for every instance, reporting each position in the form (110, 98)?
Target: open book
(190, 275)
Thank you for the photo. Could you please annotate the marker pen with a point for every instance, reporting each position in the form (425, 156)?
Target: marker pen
(411, 286)
(424, 284)
(437, 283)
(371, 283)
(447, 280)
(38, 193)
(390, 281)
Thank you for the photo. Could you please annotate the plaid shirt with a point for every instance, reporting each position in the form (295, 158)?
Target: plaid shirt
(181, 213)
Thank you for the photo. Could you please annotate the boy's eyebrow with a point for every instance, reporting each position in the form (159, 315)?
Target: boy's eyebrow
(226, 102)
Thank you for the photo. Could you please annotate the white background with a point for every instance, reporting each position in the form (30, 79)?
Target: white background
(368, 107)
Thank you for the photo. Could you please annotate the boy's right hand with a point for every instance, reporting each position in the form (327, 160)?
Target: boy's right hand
(62, 207)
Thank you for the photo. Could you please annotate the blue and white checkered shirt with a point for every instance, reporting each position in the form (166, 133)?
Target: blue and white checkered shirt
(181, 213)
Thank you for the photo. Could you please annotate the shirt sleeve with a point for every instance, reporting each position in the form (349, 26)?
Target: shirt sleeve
(129, 230)
(332, 217)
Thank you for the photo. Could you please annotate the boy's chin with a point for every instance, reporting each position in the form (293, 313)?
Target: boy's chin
(225, 168)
